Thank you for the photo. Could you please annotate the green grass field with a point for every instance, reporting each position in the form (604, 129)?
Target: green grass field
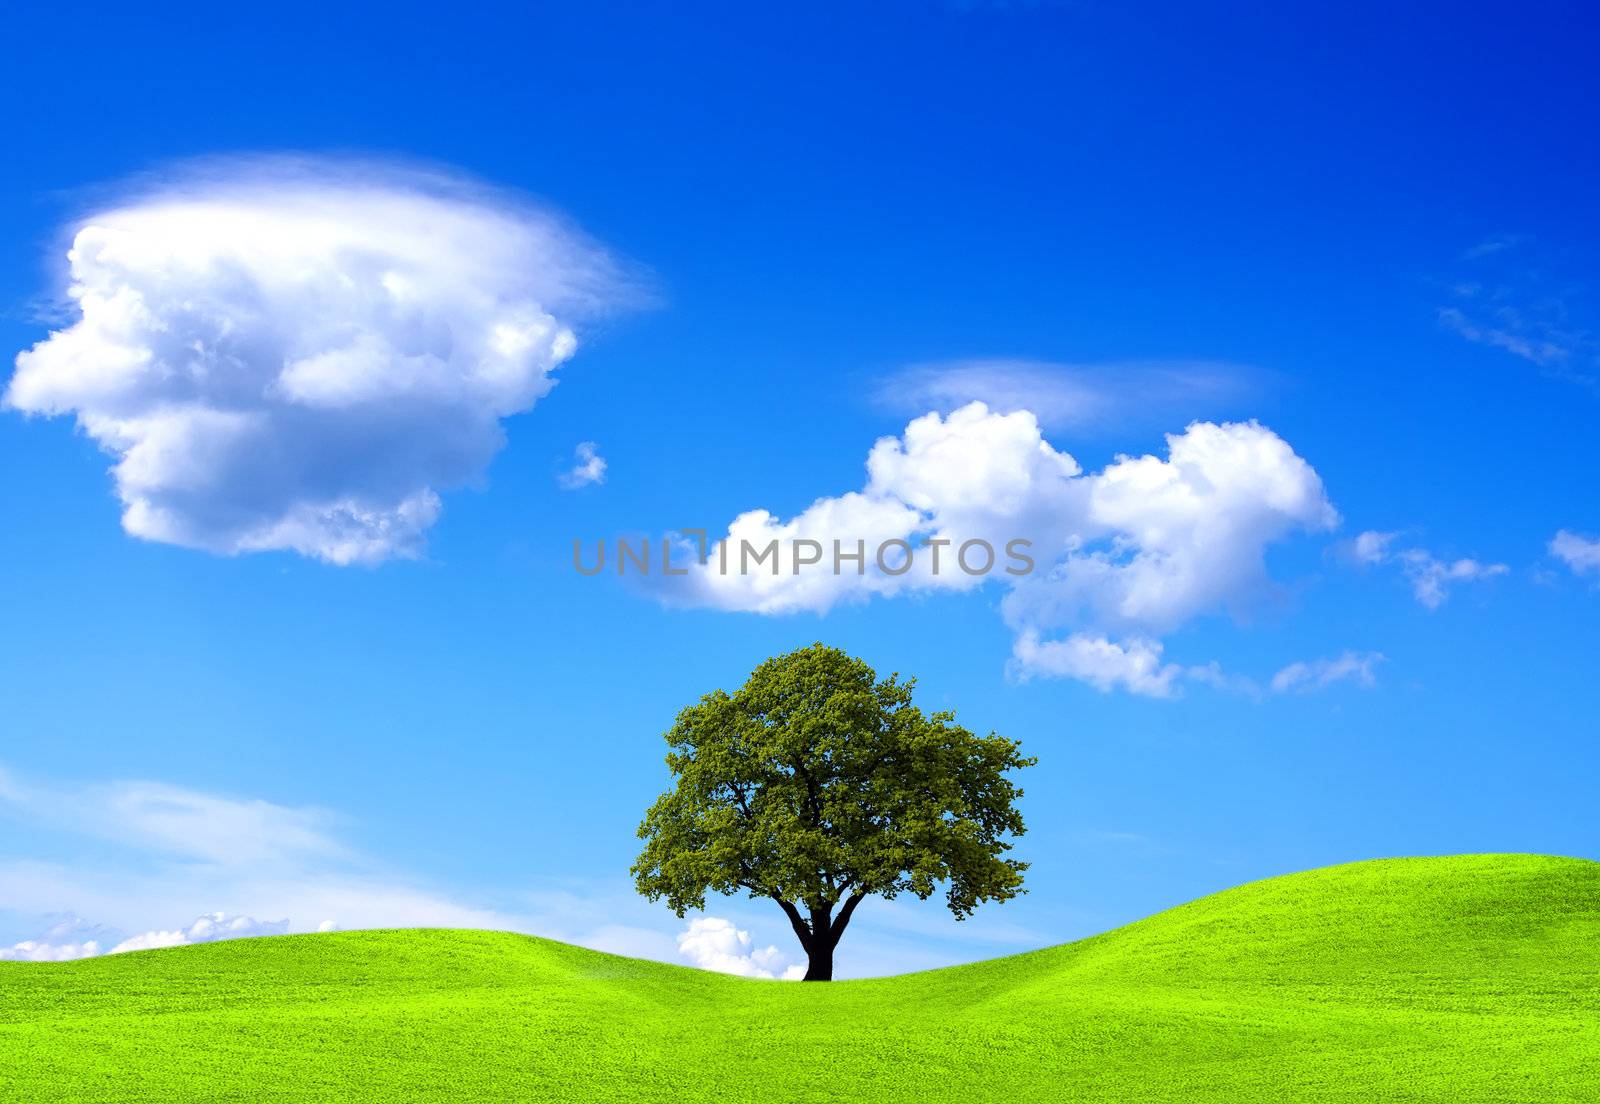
(1473, 978)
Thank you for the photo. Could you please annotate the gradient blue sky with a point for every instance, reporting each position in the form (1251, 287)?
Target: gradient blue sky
(819, 198)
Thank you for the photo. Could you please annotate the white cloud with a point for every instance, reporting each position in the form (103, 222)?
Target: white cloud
(712, 943)
(162, 848)
(175, 848)
(69, 937)
(1076, 396)
(1104, 664)
(1580, 554)
(1372, 547)
(1430, 577)
(1308, 675)
(34, 950)
(588, 467)
(181, 823)
(63, 941)
(1121, 556)
(302, 354)
(209, 928)
(1543, 349)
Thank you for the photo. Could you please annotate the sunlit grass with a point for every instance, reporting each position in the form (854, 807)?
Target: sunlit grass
(1473, 978)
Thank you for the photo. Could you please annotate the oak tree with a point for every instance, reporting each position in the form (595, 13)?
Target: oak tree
(818, 784)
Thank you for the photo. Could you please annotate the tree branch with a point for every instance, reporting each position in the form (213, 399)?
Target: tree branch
(811, 793)
(796, 921)
(844, 917)
(738, 796)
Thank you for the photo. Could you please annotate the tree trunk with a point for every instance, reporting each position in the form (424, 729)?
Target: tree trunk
(819, 948)
(820, 935)
(819, 963)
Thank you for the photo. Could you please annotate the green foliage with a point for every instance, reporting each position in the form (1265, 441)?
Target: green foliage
(1472, 980)
(818, 784)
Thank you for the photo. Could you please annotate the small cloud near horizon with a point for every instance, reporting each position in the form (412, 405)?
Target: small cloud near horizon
(712, 943)
(212, 927)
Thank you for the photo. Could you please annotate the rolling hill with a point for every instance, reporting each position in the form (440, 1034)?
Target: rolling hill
(1469, 978)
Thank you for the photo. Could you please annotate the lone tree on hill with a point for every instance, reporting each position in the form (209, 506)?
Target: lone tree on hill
(818, 784)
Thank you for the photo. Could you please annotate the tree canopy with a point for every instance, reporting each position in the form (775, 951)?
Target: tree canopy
(818, 784)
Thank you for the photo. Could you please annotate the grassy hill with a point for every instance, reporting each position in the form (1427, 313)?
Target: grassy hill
(1472, 978)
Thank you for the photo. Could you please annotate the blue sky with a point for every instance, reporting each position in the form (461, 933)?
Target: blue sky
(1370, 231)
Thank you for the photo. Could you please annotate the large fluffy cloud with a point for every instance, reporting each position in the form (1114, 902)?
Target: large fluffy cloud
(302, 354)
(712, 943)
(1120, 556)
